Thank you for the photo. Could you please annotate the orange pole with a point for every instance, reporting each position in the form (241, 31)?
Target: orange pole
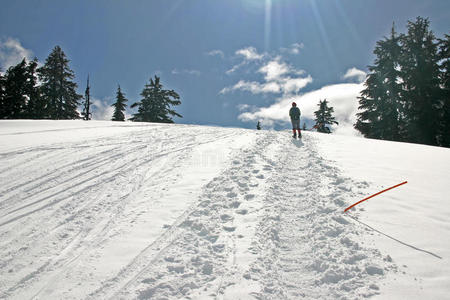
(392, 187)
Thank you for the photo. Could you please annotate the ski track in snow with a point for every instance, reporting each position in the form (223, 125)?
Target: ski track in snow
(269, 226)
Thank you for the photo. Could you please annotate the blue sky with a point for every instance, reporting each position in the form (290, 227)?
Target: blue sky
(233, 62)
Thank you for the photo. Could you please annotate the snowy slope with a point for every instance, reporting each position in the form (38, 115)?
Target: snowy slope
(97, 210)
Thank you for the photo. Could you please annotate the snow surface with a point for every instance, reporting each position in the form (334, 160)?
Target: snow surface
(98, 210)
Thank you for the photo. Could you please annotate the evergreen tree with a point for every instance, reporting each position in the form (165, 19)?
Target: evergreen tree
(324, 116)
(119, 106)
(87, 103)
(14, 98)
(444, 55)
(2, 93)
(19, 91)
(35, 108)
(58, 89)
(258, 126)
(156, 103)
(380, 102)
(421, 78)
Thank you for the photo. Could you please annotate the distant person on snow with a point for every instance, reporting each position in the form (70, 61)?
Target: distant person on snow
(294, 113)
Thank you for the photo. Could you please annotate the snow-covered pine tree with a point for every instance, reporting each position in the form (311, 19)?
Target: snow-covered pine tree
(324, 116)
(156, 104)
(58, 89)
(421, 83)
(380, 102)
(119, 106)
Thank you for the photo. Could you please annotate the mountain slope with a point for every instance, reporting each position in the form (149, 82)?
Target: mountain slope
(119, 210)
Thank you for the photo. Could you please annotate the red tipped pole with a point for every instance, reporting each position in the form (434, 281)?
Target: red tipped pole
(392, 187)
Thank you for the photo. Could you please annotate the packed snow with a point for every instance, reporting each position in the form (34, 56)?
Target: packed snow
(119, 210)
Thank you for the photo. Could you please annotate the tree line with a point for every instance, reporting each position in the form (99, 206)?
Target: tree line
(406, 96)
(49, 92)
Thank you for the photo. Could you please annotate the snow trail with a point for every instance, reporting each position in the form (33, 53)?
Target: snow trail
(270, 227)
(307, 248)
(180, 212)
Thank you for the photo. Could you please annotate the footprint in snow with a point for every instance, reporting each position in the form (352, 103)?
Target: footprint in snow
(231, 195)
(218, 247)
(340, 220)
(374, 270)
(338, 181)
(249, 196)
(229, 228)
(334, 232)
(235, 204)
(226, 217)
(176, 269)
(242, 184)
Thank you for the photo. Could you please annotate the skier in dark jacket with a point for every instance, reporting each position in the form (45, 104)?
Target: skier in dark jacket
(294, 113)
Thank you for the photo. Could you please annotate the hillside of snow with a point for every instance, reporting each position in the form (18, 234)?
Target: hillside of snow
(110, 210)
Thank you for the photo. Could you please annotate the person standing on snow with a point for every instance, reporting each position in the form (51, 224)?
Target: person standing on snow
(294, 113)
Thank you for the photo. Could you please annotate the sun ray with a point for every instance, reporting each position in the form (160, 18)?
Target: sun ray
(267, 24)
(346, 20)
(323, 33)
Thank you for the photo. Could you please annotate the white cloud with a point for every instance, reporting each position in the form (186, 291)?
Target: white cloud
(294, 85)
(12, 52)
(355, 73)
(185, 71)
(250, 53)
(101, 110)
(293, 49)
(342, 97)
(216, 53)
(254, 87)
(279, 77)
(243, 107)
(235, 68)
(274, 69)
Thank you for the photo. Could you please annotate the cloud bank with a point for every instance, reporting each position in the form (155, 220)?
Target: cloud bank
(342, 97)
(278, 77)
